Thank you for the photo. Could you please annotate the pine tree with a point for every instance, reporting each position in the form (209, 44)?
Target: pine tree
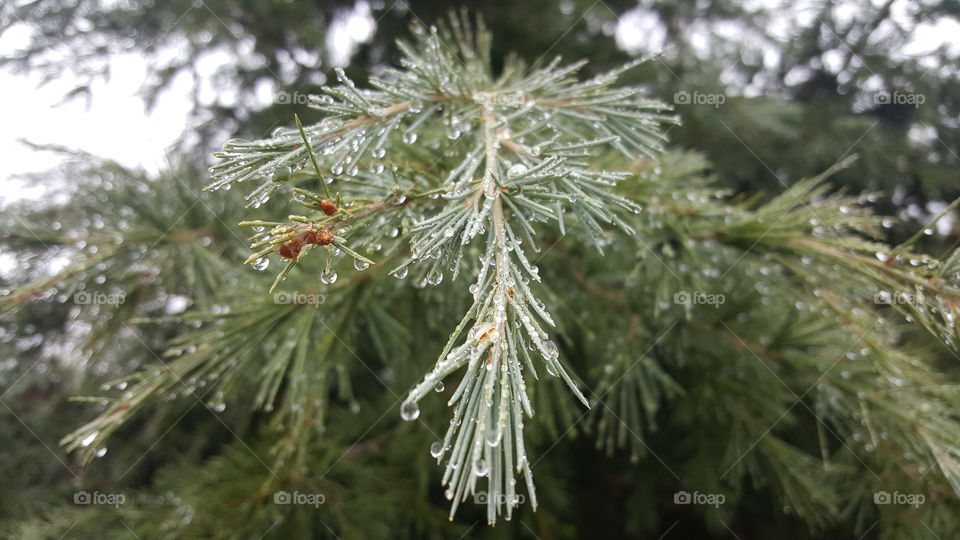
(744, 348)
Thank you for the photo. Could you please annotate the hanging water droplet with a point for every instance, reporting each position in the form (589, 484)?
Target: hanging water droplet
(260, 264)
(435, 276)
(329, 277)
(551, 370)
(438, 387)
(436, 449)
(101, 452)
(379, 152)
(493, 438)
(360, 265)
(409, 137)
(337, 169)
(448, 494)
(550, 349)
(401, 273)
(448, 232)
(409, 410)
(393, 232)
(474, 289)
(353, 171)
(480, 468)
(401, 199)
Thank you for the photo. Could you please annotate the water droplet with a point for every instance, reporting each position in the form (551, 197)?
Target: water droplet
(436, 449)
(409, 410)
(89, 439)
(516, 169)
(101, 452)
(550, 349)
(360, 265)
(401, 273)
(493, 438)
(435, 276)
(379, 152)
(260, 264)
(329, 277)
(409, 138)
(438, 387)
(480, 468)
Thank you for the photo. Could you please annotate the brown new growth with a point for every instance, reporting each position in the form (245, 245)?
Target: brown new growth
(327, 207)
(488, 334)
(291, 248)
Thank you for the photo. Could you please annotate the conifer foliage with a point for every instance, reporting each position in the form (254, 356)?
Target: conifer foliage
(525, 139)
(730, 346)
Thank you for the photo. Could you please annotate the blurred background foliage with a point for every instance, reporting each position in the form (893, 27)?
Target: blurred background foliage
(803, 84)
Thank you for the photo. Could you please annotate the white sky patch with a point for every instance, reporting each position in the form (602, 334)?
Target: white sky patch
(115, 126)
(348, 30)
(640, 31)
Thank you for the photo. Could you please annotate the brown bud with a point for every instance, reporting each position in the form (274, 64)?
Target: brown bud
(291, 248)
(328, 207)
(320, 237)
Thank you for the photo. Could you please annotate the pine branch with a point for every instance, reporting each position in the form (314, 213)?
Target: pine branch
(530, 138)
